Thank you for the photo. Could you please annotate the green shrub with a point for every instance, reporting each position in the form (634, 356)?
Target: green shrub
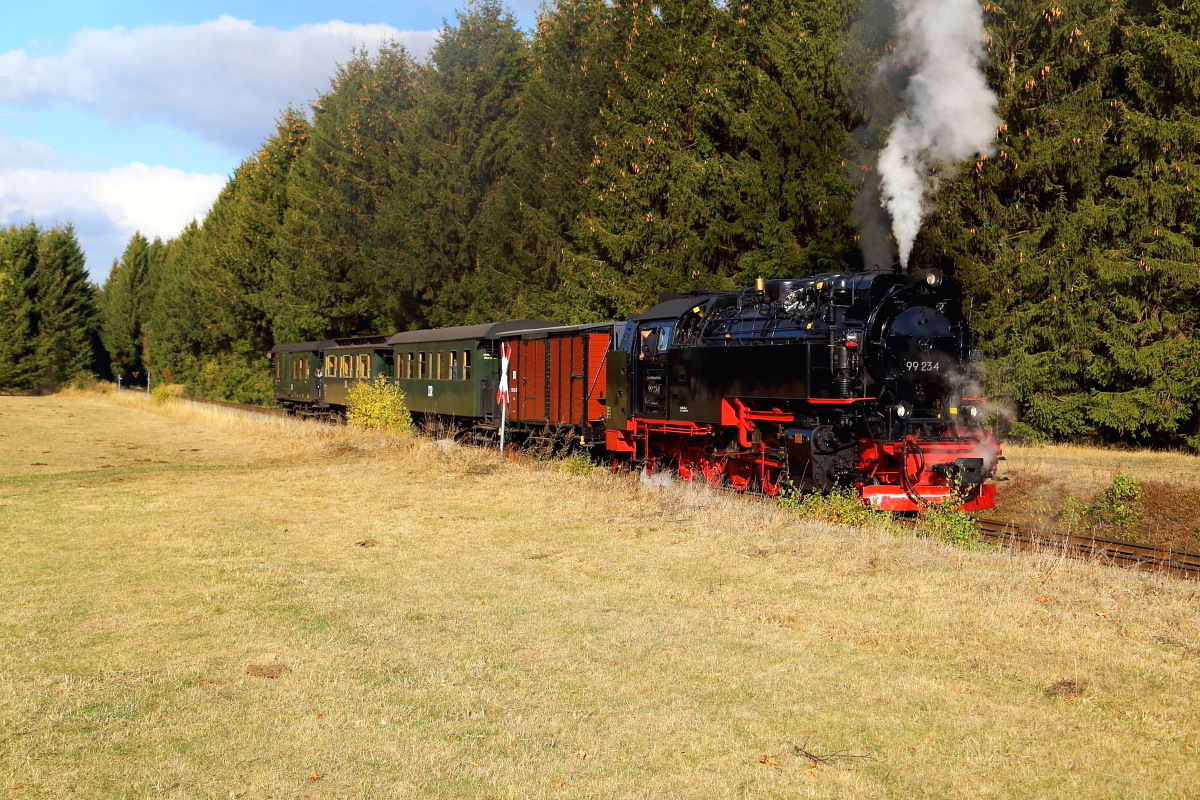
(950, 524)
(161, 393)
(378, 405)
(579, 462)
(842, 506)
(1116, 506)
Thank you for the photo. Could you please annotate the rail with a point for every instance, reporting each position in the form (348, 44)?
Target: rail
(1116, 552)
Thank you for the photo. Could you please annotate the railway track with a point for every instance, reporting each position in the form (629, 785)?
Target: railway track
(1114, 552)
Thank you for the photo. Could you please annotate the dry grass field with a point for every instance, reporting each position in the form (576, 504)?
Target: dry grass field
(197, 604)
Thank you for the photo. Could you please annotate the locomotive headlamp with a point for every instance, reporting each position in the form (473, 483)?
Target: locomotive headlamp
(932, 278)
(902, 410)
(972, 411)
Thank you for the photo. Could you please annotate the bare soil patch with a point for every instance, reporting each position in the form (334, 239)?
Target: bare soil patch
(1050, 487)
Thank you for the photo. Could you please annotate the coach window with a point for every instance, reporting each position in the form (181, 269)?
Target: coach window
(439, 366)
(304, 365)
(466, 365)
(407, 366)
(422, 365)
(364, 366)
(453, 365)
(331, 366)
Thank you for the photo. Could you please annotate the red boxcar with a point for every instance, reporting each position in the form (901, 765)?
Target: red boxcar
(556, 376)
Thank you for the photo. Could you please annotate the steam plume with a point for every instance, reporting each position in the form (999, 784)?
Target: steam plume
(949, 112)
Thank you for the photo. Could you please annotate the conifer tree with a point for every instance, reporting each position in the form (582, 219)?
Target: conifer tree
(47, 309)
(467, 105)
(122, 307)
(67, 316)
(20, 366)
(1078, 240)
(336, 252)
(718, 156)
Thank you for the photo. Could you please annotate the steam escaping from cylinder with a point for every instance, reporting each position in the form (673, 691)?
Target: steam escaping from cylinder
(948, 111)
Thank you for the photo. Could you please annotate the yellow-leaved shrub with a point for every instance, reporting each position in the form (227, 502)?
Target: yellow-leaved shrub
(378, 405)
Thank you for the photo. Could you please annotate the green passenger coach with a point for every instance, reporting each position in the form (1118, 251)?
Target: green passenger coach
(353, 360)
(448, 372)
(453, 371)
(295, 367)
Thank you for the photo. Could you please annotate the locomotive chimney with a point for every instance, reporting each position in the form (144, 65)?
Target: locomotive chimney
(760, 285)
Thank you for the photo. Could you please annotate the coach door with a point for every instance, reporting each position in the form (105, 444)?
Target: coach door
(650, 350)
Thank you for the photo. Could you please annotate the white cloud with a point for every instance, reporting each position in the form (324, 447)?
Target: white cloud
(227, 79)
(18, 152)
(107, 207)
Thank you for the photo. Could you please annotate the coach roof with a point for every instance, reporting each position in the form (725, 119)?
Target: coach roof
(488, 330)
(301, 347)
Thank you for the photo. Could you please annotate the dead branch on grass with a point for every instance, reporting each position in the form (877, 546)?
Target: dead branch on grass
(816, 758)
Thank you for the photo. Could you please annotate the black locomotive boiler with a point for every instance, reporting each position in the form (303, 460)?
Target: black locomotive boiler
(856, 380)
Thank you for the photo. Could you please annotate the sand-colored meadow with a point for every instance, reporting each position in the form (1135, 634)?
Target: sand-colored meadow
(201, 604)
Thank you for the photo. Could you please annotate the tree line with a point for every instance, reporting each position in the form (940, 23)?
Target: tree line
(626, 148)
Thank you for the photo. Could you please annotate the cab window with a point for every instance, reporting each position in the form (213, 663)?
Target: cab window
(653, 339)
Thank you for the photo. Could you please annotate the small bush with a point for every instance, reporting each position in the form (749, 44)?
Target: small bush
(1116, 506)
(162, 393)
(84, 382)
(378, 405)
(842, 506)
(579, 462)
(950, 524)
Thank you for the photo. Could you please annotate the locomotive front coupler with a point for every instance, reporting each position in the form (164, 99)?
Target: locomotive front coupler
(962, 471)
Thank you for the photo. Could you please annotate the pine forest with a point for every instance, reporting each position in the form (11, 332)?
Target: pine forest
(624, 148)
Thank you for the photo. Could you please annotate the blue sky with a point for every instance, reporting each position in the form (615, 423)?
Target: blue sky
(130, 115)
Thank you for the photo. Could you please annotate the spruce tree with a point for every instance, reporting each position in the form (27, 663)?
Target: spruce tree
(466, 108)
(121, 307)
(342, 269)
(1078, 239)
(718, 159)
(65, 302)
(20, 365)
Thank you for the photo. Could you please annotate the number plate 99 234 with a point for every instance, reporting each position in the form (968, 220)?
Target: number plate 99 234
(923, 366)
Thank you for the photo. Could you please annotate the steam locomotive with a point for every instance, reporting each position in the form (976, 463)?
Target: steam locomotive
(858, 380)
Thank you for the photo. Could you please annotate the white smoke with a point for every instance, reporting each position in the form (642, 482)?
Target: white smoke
(949, 111)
